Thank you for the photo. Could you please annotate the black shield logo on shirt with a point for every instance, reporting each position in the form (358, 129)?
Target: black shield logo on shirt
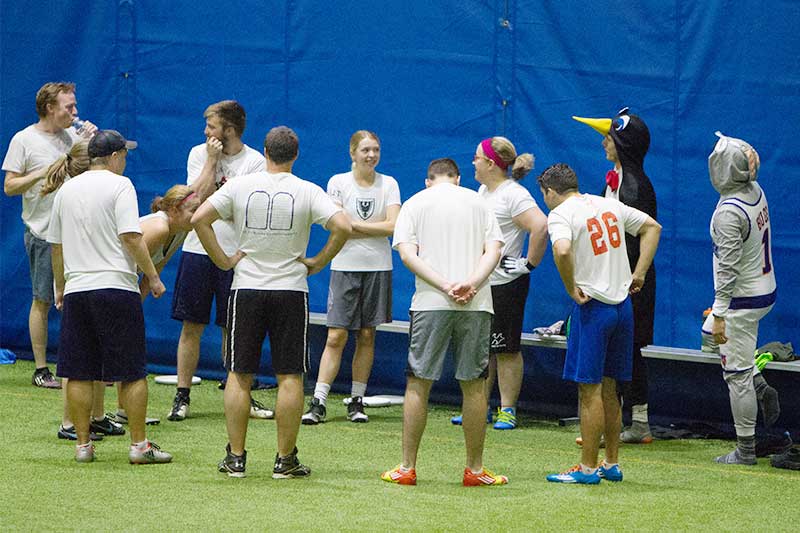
(365, 207)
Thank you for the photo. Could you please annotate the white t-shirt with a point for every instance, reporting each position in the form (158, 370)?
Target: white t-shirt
(508, 200)
(596, 226)
(450, 226)
(371, 254)
(172, 244)
(32, 149)
(272, 215)
(247, 161)
(90, 212)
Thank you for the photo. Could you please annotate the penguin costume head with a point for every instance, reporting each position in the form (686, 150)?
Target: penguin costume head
(632, 140)
(629, 133)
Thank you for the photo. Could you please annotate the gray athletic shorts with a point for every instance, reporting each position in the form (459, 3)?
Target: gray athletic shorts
(431, 332)
(41, 267)
(359, 299)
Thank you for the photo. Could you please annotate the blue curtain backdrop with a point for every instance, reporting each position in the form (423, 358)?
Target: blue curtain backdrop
(432, 79)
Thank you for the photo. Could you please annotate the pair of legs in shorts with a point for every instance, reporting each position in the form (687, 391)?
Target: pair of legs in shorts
(357, 301)
(431, 333)
(506, 355)
(254, 315)
(598, 357)
(103, 340)
(41, 269)
(199, 284)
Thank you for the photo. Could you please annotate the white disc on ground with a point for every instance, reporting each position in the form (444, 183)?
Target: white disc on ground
(173, 380)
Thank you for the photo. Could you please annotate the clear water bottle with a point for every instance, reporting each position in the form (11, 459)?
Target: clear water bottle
(79, 125)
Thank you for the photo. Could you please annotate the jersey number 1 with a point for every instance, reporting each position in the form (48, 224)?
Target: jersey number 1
(599, 237)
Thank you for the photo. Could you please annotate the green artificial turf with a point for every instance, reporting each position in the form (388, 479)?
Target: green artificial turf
(669, 485)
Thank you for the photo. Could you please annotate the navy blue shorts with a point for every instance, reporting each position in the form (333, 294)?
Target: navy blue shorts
(102, 336)
(600, 342)
(254, 314)
(199, 282)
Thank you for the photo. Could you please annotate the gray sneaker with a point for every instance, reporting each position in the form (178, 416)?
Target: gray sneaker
(638, 433)
(84, 454)
(736, 458)
(150, 455)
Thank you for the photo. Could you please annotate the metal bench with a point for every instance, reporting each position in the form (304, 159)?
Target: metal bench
(401, 326)
(698, 356)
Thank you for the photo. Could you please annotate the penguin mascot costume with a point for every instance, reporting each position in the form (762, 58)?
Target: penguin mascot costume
(629, 183)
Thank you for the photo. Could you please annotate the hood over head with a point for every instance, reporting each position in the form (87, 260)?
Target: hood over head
(732, 164)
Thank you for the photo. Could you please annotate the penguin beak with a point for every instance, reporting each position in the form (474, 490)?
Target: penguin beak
(600, 125)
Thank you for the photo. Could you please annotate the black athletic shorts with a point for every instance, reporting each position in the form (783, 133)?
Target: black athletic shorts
(254, 314)
(508, 301)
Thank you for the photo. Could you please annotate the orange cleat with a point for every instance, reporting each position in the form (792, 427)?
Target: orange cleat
(484, 478)
(397, 475)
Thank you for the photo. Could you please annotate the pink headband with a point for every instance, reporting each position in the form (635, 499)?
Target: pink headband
(486, 144)
(186, 198)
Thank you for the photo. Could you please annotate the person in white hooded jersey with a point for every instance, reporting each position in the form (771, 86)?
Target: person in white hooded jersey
(744, 281)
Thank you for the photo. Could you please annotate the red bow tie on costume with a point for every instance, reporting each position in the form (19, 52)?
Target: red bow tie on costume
(612, 179)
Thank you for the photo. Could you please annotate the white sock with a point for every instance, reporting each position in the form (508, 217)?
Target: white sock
(140, 445)
(639, 413)
(587, 470)
(321, 391)
(358, 389)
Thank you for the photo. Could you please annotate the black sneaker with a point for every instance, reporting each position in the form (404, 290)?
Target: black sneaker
(289, 467)
(180, 408)
(45, 379)
(106, 426)
(789, 459)
(234, 465)
(315, 414)
(70, 434)
(355, 411)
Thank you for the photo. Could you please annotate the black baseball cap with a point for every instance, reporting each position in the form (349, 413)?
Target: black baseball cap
(106, 142)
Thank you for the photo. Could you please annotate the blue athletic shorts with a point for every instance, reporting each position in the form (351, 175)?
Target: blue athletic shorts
(600, 342)
(199, 281)
(102, 336)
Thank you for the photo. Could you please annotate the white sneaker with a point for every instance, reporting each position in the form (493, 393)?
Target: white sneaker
(257, 410)
(149, 455)
(84, 454)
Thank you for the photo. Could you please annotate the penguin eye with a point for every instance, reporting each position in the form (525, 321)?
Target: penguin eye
(622, 122)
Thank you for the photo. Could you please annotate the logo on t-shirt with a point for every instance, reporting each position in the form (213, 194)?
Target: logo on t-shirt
(365, 207)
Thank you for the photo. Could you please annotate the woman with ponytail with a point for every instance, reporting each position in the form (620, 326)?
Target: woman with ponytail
(165, 228)
(498, 169)
(74, 162)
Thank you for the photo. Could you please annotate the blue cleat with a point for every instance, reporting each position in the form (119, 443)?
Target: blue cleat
(456, 420)
(610, 473)
(575, 476)
(506, 418)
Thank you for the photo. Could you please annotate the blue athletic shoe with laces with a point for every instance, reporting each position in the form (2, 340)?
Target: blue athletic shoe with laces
(506, 418)
(610, 473)
(575, 476)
